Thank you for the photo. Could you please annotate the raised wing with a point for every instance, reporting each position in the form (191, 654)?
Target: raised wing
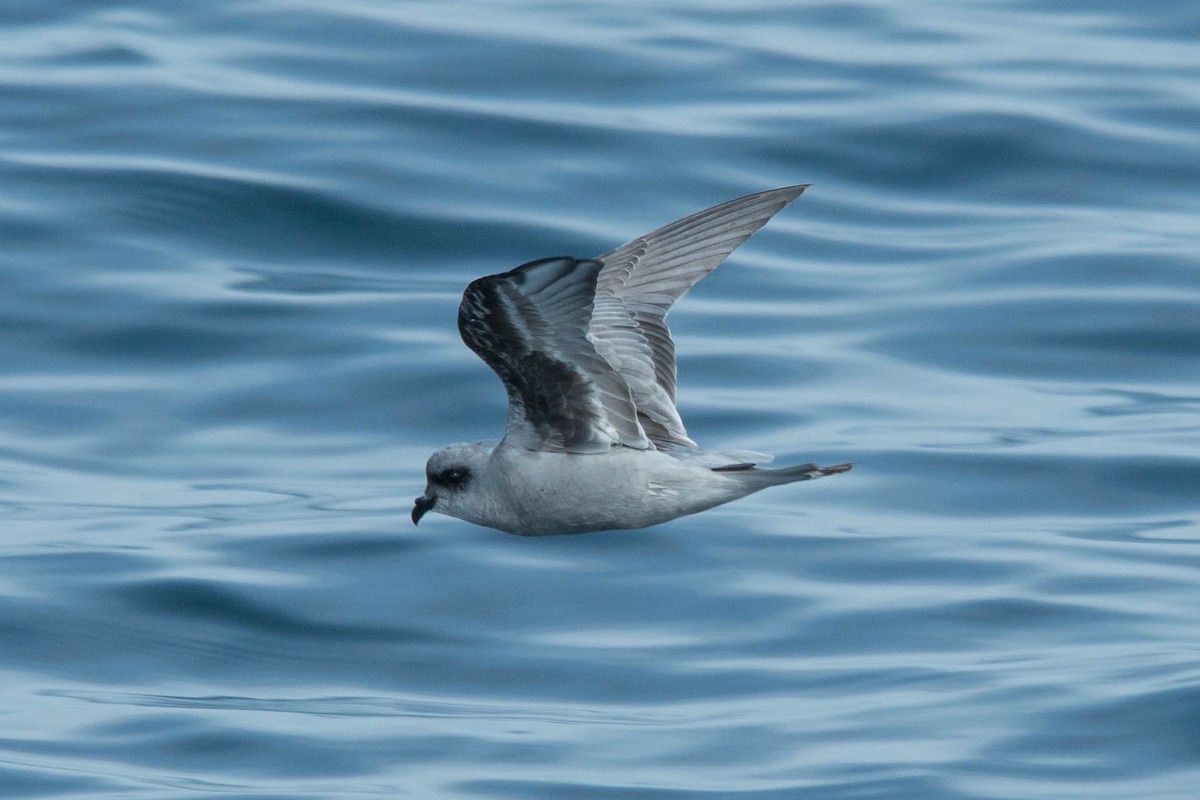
(640, 281)
(582, 346)
(530, 326)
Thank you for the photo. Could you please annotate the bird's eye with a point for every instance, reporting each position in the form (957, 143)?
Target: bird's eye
(454, 476)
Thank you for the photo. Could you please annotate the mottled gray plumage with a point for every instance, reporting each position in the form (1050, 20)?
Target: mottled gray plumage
(593, 439)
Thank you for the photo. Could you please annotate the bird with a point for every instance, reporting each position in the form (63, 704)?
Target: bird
(593, 440)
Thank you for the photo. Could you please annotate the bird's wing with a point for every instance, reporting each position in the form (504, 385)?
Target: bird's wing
(530, 326)
(639, 282)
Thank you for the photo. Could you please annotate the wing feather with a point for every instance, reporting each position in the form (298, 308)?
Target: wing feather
(582, 346)
(529, 325)
(645, 277)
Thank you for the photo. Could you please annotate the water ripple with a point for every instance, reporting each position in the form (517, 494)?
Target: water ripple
(235, 239)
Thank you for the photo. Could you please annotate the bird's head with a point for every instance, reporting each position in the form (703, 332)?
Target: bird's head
(453, 482)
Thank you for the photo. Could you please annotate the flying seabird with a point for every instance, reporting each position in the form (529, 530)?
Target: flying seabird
(593, 439)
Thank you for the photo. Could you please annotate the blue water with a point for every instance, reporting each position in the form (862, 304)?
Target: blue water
(234, 238)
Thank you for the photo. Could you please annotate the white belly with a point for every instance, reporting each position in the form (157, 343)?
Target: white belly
(624, 488)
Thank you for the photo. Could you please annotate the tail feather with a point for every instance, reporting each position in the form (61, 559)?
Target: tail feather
(800, 472)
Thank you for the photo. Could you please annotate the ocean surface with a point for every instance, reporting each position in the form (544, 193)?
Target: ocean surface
(234, 236)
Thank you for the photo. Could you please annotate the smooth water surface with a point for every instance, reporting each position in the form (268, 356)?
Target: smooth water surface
(234, 239)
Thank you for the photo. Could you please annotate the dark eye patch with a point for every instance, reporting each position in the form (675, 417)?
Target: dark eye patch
(452, 477)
